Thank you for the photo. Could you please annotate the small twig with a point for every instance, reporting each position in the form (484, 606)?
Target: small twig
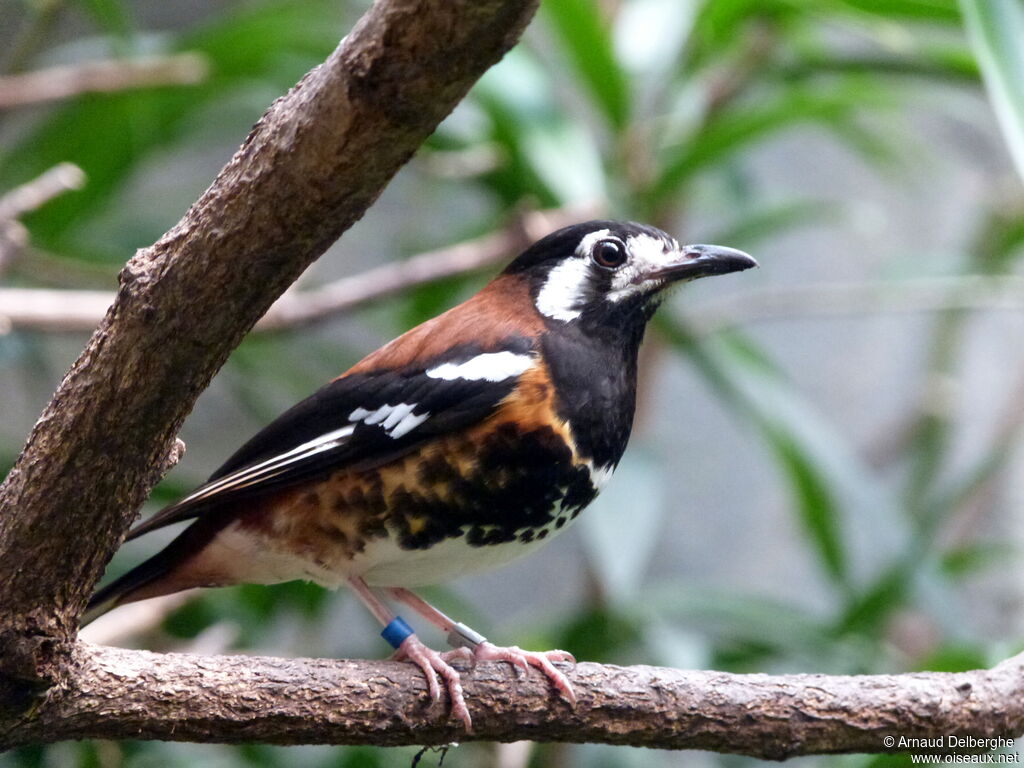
(63, 311)
(32, 195)
(101, 77)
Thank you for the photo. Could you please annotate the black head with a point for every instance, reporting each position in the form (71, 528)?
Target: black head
(601, 272)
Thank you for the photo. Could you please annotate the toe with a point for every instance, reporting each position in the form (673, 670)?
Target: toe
(437, 670)
(559, 680)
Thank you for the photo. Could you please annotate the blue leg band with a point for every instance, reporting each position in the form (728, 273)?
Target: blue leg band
(396, 632)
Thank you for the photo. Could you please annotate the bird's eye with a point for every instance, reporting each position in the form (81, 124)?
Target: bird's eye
(609, 254)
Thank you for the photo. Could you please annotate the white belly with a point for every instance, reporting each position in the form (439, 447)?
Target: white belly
(385, 564)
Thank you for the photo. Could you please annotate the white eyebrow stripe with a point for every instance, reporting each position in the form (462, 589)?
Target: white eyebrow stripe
(490, 366)
(248, 475)
(588, 241)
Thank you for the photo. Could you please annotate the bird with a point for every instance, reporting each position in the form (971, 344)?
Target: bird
(466, 442)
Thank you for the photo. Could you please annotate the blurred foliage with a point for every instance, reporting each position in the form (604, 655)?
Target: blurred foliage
(644, 105)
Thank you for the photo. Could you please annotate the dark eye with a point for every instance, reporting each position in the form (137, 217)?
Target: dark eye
(609, 254)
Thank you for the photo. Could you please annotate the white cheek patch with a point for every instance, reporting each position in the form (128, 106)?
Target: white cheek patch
(492, 366)
(647, 254)
(563, 293)
(395, 420)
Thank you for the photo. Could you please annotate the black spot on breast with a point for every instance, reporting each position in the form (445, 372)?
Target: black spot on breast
(436, 470)
(516, 483)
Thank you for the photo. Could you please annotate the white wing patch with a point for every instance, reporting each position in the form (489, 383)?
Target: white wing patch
(395, 420)
(492, 366)
(273, 466)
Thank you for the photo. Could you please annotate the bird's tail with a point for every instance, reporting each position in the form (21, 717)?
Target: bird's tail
(166, 572)
(139, 583)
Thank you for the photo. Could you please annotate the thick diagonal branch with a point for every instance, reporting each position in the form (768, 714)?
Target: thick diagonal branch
(113, 693)
(310, 167)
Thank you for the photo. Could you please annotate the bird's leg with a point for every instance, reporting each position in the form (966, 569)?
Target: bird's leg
(408, 647)
(473, 645)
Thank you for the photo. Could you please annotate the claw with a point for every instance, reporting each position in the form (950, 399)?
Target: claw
(523, 660)
(436, 669)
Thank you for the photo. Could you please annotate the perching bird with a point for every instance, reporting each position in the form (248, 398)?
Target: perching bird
(464, 443)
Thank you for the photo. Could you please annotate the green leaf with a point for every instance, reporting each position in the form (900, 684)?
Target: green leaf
(922, 10)
(111, 15)
(996, 32)
(600, 634)
(954, 658)
(587, 41)
(971, 558)
(867, 613)
(817, 503)
(737, 617)
(546, 156)
(726, 133)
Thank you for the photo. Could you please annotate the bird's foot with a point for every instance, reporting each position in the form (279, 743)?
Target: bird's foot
(437, 670)
(522, 661)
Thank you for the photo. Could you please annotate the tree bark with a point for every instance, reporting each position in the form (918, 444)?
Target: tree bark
(310, 167)
(118, 694)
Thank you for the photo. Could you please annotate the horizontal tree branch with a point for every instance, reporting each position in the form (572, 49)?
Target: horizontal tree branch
(116, 694)
(101, 77)
(64, 311)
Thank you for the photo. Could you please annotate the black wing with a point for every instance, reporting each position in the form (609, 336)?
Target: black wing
(360, 421)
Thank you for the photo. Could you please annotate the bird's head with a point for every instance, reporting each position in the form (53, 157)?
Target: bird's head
(614, 271)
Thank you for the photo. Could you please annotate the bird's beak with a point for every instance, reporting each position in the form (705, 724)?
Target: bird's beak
(702, 261)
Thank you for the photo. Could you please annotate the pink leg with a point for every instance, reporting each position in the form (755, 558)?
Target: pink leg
(474, 646)
(433, 664)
